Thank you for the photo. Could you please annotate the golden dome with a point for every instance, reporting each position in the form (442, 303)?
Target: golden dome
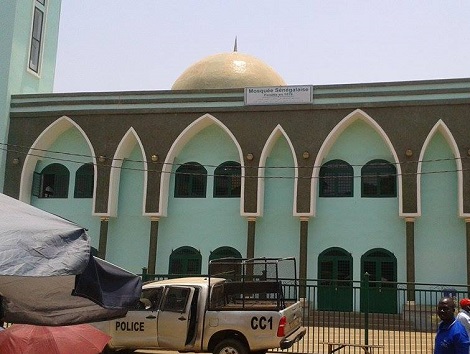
(228, 70)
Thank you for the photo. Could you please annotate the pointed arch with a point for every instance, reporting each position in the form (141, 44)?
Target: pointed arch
(442, 128)
(123, 151)
(39, 149)
(277, 132)
(186, 135)
(354, 116)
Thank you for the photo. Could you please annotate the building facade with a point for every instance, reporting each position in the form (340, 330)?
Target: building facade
(362, 178)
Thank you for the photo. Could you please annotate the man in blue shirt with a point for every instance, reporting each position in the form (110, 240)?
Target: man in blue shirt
(451, 336)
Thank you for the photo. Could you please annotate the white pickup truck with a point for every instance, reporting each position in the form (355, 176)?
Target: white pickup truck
(248, 310)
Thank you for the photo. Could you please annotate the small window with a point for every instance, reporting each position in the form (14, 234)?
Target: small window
(379, 179)
(191, 181)
(336, 179)
(52, 182)
(227, 180)
(84, 181)
(37, 36)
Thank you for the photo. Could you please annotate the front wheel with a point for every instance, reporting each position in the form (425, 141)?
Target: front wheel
(230, 346)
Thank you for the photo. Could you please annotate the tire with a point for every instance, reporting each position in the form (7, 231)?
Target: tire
(108, 350)
(230, 346)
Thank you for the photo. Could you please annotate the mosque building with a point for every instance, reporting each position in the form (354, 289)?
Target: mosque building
(233, 161)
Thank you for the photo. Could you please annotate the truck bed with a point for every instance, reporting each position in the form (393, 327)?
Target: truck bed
(249, 295)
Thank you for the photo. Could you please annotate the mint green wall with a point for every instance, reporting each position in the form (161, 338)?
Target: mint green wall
(78, 210)
(278, 231)
(128, 234)
(16, 19)
(357, 224)
(439, 233)
(202, 223)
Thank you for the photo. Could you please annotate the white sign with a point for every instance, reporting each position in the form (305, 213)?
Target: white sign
(279, 95)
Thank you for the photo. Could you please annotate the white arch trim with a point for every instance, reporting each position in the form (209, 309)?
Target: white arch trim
(358, 114)
(123, 151)
(39, 149)
(186, 135)
(277, 132)
(442, 128)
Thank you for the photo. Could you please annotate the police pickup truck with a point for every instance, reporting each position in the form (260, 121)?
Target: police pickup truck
(242, 306)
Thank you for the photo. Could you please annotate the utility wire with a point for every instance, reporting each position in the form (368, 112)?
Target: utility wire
(6, 147)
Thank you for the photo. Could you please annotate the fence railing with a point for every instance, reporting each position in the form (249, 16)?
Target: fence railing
(401, 317)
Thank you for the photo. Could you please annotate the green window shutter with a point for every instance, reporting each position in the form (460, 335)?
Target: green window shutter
(36, 187)
(84, 182)
(227, 180)
(336, 179)
(190, 181)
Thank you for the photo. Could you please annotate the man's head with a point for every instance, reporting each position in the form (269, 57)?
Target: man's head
(445, 309)
(465, 304)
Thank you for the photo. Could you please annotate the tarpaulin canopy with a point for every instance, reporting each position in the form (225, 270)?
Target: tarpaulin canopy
(47, 273)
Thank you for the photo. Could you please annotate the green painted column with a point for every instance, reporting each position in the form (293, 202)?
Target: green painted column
(410, 257)
(152, 261)
(103, 237)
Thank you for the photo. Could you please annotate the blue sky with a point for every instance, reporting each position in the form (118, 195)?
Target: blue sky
(117, 45)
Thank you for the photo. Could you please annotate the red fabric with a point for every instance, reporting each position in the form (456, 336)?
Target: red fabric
(29, 339)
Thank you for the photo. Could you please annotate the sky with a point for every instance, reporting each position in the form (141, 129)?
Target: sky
(122, 45)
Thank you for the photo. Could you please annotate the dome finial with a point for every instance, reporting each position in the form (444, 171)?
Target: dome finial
(235, 49)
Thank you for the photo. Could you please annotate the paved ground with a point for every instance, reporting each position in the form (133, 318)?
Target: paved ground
(394, 342)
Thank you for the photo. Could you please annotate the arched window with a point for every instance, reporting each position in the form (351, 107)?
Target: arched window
(224, 252)
(184, 261)
(84, 181)
(227, 180)
(336, 179)
(191, 181)
(52, 182)
(379, 179)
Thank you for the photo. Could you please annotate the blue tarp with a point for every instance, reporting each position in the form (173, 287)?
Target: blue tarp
(47, 273)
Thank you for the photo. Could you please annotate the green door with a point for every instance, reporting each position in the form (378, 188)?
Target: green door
(379, 288)
(335, 291)
(185, 261)
(228, 266)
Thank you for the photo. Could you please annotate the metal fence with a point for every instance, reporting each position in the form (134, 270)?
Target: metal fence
(399, 317)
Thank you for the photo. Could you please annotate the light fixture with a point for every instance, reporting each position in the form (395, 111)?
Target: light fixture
(102, 158)
(306, 154)
(16, 161)
(409, 152)
(249, 156)
(154, 158)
